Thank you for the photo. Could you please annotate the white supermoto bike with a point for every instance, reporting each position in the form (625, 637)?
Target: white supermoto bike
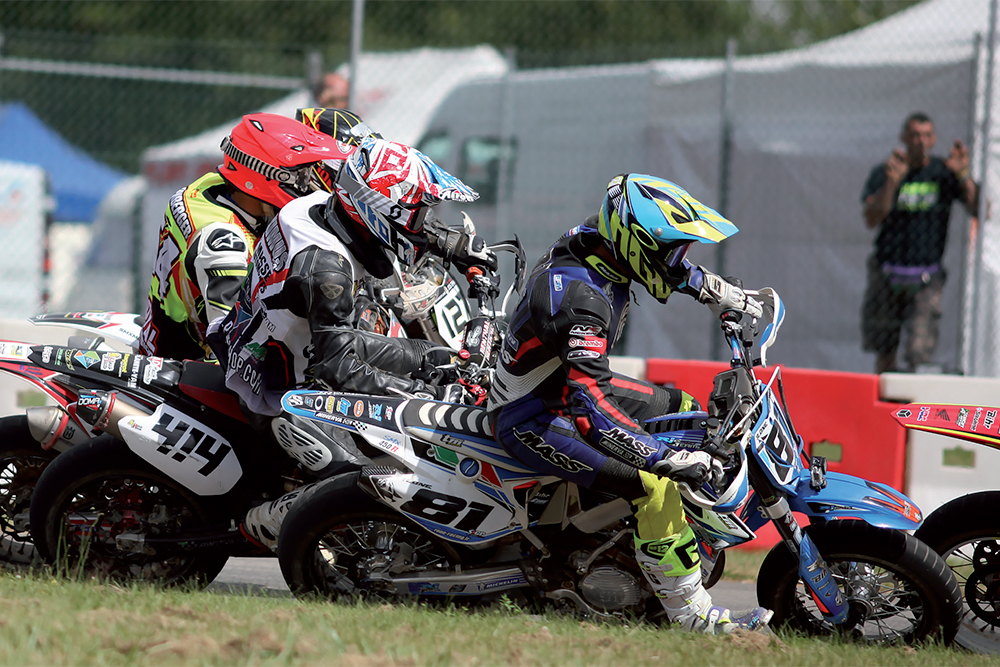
(442, 511)
(424, 301)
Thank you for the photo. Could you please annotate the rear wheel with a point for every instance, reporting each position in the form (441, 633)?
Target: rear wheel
(97, 503)
(966, 533)
(22, 461)
(338, 542)
(897, 589)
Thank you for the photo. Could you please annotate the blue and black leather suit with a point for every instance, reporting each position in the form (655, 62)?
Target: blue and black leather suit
(555, 403)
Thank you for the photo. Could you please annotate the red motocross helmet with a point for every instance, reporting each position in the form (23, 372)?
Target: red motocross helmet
(270, 157)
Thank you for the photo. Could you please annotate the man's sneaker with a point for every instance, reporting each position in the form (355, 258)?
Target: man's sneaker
(722, 621)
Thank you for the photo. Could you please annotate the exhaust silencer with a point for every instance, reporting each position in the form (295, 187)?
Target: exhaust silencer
(54, 429)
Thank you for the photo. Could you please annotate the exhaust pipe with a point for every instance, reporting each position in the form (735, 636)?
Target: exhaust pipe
(54, 429)
(104, 411)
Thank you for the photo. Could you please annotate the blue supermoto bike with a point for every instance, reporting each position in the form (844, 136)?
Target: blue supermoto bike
(437, 508)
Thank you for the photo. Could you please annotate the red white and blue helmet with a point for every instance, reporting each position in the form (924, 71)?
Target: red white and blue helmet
(389, 188)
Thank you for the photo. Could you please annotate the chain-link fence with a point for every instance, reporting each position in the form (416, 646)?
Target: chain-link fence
(761, 109)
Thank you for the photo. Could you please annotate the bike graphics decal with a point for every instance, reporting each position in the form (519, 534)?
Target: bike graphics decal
(12, 350)
(974, 423)
(450, 315)
(132, 369)
(349, 411)
(186, 450)
(455, 510)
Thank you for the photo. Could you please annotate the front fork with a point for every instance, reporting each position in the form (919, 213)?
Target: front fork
(813, 570)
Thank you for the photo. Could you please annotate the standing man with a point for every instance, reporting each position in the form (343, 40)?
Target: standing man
(908, 199)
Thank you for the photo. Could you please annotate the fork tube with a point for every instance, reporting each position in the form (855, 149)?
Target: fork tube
(813, 570)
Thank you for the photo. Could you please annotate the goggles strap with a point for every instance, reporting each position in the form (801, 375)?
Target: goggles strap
(297, 178)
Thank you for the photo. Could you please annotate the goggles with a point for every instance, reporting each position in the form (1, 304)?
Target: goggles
(298, 179)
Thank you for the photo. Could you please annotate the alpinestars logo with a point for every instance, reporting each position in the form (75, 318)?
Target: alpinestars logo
(535, 443)
(625, 446)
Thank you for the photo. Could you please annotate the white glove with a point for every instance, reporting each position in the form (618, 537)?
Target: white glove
(721, 295)
(691, 469)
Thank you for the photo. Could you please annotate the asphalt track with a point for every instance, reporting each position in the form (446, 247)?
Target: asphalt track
(262, 576)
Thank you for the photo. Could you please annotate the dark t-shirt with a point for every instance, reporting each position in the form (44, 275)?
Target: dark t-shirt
(915, 231)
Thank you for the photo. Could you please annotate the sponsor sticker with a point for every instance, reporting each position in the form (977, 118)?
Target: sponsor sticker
(359, 408)
(344, 406)
(108, 361)
(584, 330)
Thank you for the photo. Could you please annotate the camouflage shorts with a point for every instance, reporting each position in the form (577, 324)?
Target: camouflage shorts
(888, 309)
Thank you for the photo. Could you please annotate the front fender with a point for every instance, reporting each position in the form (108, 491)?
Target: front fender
(850, 497)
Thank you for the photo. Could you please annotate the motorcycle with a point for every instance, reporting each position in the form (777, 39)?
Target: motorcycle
(965, 531)
(439, 510)
(161, 494)
(424, 301)
(22, 460)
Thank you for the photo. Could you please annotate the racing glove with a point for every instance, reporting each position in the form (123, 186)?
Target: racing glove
(691, 469)
(464, 250)
(721, 294)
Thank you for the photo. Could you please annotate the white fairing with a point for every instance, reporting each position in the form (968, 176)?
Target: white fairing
(183, 449)
(122, 327)
(451, 312)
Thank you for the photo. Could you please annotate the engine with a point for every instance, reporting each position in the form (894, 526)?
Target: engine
(610, 588)
(606, 585)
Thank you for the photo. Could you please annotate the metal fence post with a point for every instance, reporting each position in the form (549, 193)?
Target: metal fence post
(357, 32)
(984, 164)
(725, 157)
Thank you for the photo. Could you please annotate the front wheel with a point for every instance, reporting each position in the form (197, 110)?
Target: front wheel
(337, 542)
(966, 533)
(898, 591)
(97, 503)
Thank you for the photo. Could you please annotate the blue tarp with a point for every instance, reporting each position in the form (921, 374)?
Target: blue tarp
(78, 182)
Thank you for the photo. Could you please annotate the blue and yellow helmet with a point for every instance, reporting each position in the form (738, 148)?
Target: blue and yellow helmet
(649, 223)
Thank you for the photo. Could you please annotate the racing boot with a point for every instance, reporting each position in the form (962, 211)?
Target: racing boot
(263, 522)
(671, 566)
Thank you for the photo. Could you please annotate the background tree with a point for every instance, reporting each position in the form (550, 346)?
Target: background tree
(115, 122)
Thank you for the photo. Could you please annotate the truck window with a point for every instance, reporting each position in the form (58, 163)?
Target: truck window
(479, 166)
(437, 146)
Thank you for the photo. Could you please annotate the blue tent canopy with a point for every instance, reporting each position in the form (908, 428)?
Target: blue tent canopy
(78, 181)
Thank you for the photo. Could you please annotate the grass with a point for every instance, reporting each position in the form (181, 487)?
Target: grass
(743, 564)
(51, 621)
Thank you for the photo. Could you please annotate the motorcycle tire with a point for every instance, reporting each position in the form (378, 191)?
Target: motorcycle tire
(898, 591)
(98, 490)
(316, 561)
(22, 461)
(966, 533)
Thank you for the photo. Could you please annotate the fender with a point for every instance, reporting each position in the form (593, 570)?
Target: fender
(849, 497)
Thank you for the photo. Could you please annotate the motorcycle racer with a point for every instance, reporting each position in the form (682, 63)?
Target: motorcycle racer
(211, 227)
(556, 405)
(292, 321)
